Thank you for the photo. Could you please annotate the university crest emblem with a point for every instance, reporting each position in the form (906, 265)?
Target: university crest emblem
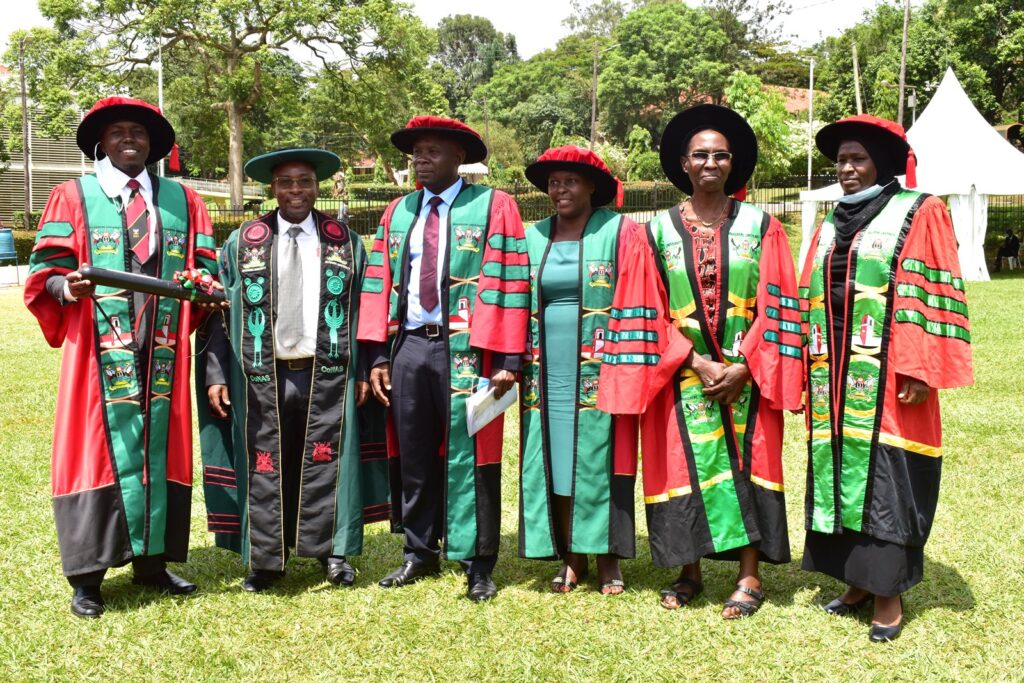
(588, 391)
(468, 239)
(335, 254)
(466, 364)
(673, 256)
(860, 386)
(600, 273)
(254, 258)
(393, 243)
(322, 451)
(747, 248)
(264, 463)
(119, 377)
(699, 412)
(162, 376)
(174, 245)
(531, 395)
(105, 241)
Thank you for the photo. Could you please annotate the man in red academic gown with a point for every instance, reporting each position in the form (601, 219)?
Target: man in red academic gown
(122, 445)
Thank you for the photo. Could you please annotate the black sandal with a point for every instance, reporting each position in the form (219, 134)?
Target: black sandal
(746, 607)
(613, 583)
(561, 580)
(683, 599)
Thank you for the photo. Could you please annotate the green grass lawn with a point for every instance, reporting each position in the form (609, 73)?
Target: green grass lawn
(965, 621)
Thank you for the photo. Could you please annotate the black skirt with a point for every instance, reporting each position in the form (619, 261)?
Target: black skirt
(862, 561)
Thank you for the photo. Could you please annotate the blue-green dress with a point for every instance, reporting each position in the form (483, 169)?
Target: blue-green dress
(560, 303)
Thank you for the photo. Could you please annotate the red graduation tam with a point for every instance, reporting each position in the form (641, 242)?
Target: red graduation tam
(572, 158)
(113, 109)
(405, 138)
(857, 128)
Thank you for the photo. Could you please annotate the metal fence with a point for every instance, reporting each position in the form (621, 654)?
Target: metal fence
(364, 206)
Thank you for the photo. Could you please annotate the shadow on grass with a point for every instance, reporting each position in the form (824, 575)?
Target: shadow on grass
(941, 588)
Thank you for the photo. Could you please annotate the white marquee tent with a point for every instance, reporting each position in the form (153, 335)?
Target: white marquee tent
(958, 154)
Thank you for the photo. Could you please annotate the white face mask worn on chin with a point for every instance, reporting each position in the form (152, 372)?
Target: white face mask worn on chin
(863, 195)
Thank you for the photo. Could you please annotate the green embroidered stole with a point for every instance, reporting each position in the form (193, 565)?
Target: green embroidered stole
(844, 427)
(467, 224)
(137, 424)
(328, 395)
(593, 428)
(713, 435)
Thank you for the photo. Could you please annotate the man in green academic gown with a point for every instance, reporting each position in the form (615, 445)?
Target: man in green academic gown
(282, 464)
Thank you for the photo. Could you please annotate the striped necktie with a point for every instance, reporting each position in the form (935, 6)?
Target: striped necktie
(137, 221)
(428, 267)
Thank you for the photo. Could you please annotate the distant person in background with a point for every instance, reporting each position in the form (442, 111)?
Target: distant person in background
(885, 319)
(341, 192)
(578, 464)
(1010, 250)
(122, 443)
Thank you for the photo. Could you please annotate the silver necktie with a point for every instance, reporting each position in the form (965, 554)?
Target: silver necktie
(289, 303)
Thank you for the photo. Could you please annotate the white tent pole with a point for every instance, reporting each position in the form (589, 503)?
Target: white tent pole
(810, 123)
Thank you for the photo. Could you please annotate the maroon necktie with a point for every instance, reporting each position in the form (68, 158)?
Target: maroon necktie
(428, 268)
(137, 220)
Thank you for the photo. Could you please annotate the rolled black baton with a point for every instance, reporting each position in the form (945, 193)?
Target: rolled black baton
(151, 285)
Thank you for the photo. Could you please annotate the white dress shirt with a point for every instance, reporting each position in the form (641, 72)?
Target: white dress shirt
(114, 183)
(309, 255)
(415, 316)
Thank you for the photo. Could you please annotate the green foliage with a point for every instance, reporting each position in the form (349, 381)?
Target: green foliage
(533, 96)
(58, 82)
(669, 56)
(598, 18)
(469, 51)
(982, 40)
(354, 112)
(644, 163)
(380, 174)
(765, 111)
(236, 53)
(18, 220)
(503, 147)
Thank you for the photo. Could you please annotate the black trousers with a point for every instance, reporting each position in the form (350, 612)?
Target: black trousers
(293, 403)
(147, 565)
(293, 391)
(420, 398)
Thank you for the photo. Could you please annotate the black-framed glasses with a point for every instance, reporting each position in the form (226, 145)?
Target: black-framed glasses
(703, 157)
(287, 182)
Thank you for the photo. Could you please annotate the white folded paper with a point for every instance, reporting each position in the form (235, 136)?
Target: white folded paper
(482, 406)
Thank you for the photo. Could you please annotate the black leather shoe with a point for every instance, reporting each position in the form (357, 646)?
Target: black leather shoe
(260, 580)
(87, 602)
(839, 608)
(167, 582)
(481, 587)
(338, 571)
(883, 634)
(409, 572)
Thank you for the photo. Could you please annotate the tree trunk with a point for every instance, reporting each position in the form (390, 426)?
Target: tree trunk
(235, 153)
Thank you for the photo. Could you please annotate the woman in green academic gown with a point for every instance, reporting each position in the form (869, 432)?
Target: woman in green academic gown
(578, 465)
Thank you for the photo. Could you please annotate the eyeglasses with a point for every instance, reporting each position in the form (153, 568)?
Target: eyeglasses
(703, 157)
(568, 183)
(287, 183)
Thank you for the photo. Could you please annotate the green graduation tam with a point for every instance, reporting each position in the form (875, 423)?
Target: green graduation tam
(261, 168)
